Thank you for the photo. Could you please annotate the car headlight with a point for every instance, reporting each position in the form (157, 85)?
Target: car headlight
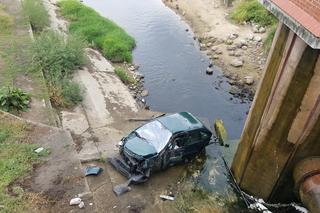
(120, 143)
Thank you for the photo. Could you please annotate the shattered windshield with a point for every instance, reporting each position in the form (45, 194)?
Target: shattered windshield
(155, 133)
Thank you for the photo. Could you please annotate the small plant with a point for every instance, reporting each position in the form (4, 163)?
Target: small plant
(13, 99)
(125, 78)
(252, 10)
(57, 58)
(6, 22)
(37, 14)
(268, 42)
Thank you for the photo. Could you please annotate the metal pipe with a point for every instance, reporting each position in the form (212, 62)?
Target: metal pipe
(307, 182)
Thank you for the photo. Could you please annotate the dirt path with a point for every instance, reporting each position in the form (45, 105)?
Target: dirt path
(235, 48)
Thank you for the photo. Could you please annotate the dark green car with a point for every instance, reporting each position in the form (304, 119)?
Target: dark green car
(160, 143)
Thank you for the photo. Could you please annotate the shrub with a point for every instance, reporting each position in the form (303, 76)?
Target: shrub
(37, 14)
(13, 99)
(125, 78)
(71, 92)
(57, 57)
(114, 42)
(268, 42)
(252, 10)
(6, 23)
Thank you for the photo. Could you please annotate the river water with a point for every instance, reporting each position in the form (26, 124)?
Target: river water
(175, 69)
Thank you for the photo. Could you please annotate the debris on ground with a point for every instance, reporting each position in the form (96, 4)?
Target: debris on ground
(81, 205)
(38, 150)
(93, 170)
(75, 201)
(167, 197)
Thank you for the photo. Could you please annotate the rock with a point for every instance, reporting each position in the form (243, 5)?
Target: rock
(243, 42)
(236, 63)
(257, 38)
(229, 42)
(244, 47)
(139, 75)
(234, 90)
(230, 48)
(144, 93)
(232, 82)
(250, 37)
(202, 46)
(249, 80)
(209, 71)
(233, 36)
(238, 44)
(184, 13)
(177, 6)
(187, 30)
(132, 68)
(210, 65)
(215, 57)
(262, 30)
(214, 48)
(209, 44)
(231, 53)
(218, 51)
(237, 54)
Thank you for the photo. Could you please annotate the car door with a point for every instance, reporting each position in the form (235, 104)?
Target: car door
(174, 151)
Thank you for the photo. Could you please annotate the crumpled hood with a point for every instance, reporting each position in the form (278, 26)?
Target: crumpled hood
(140, 146)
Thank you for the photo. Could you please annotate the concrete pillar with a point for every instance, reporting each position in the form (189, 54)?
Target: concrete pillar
(283, 125)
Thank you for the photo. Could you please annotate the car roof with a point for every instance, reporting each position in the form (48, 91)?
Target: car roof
(182, 121)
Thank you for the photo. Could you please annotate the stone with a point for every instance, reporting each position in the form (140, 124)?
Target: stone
(81, 205)
(218, 51)
(209, 44)
(257, 38)
(209, 71)
(139, 75)
(262, 30)
(214, 48)
(144, 93)
(244, 47)
(234, 90)
(237, 54)
(75, 201)
(229, 42)
(250, 37)
(233, 36)
(232, 53)
(236, 63)
(177, 6)
(215, 57)
(249, 80)
(231, 48)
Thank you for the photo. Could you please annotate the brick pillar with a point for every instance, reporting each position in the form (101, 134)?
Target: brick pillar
(283, 125)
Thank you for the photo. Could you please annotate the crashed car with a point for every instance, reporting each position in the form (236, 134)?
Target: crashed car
(160, 143)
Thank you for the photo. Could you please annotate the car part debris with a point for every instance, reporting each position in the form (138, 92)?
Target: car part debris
(93, 170)
(38, 150)
(75, 201)
(167, 197)
(125, 187)
(81, 205)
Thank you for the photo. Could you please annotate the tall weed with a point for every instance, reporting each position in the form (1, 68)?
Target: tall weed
(37, 14)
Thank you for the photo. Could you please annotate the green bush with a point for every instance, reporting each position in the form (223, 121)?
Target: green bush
(57, 57)
(114, 42)
(268, 42)
(124, 77)
(72, 93)
(37, 14)
(13, 99)
(252, 10)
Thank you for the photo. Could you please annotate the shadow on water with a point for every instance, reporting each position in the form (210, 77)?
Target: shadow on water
(175, 72)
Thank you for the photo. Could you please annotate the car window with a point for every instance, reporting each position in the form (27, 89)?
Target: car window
(194, 137)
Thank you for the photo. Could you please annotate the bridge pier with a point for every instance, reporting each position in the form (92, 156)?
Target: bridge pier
(283, 126)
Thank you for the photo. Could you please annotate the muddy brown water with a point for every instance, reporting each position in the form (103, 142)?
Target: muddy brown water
(175, 74)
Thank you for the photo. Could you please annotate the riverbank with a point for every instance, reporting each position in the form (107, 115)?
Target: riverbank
(237, 49)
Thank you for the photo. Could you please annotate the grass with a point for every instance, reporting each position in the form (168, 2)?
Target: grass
(36, 13)
(16, 160)
(252, 10)
(268, 42)
(6, 22)
(123, 75)
(57, 58)
(113, 41)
